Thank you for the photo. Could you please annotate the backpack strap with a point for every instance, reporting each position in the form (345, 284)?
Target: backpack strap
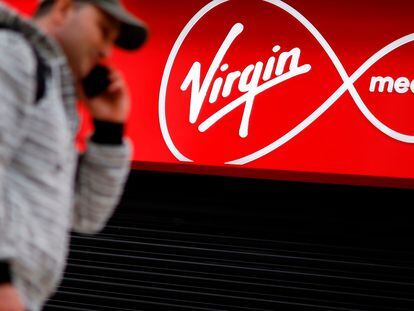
(41, 73)
(42, 70)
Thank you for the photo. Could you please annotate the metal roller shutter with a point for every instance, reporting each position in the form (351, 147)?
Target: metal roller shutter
(187, 242)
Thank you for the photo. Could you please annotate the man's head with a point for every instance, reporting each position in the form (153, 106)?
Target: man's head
(87, 30)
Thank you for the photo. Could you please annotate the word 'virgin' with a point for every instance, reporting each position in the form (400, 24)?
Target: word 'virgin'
(253, 80)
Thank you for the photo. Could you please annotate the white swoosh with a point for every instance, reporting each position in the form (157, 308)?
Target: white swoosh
(348, 85)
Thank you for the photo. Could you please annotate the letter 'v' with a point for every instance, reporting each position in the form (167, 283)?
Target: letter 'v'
(198, 94)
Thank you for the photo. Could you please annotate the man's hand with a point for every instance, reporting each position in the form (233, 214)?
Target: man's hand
(114, 104)
(10, 299)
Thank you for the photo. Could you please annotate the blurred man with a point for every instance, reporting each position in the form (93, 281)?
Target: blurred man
(46, 189)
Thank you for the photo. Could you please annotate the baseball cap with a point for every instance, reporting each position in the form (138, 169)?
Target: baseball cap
(133, 33)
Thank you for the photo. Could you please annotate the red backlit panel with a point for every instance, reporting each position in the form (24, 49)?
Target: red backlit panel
(300, 90)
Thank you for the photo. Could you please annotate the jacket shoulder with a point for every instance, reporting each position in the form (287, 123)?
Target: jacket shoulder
(17, 49)
(18, 65)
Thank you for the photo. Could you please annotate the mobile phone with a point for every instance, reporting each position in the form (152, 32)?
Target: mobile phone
(97, 81)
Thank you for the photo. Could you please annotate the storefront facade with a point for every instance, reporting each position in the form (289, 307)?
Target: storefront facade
(272, 166)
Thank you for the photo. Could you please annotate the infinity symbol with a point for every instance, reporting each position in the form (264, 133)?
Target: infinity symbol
(348, 85)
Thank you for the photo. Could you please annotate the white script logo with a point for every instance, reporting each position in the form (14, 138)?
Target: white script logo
(249, 81)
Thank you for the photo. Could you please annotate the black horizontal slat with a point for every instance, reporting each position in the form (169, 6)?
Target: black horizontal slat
(222, 254)
(179, 276)
(131, 234)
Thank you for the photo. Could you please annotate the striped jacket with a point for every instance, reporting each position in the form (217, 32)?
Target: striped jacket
(42, 198)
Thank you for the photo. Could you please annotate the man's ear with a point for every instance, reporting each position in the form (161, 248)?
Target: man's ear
(60, 11)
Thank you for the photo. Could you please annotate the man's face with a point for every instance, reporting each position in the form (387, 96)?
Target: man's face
(87, 36)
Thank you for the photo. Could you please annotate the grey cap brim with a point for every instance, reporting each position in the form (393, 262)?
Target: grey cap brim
(133, 32)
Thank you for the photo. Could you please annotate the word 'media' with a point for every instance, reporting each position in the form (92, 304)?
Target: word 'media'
(401, 85)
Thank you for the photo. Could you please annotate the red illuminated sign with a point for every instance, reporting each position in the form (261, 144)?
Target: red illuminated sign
(298, 90)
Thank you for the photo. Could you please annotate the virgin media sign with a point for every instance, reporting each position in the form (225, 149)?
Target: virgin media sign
(251, 80)
(300, 90)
